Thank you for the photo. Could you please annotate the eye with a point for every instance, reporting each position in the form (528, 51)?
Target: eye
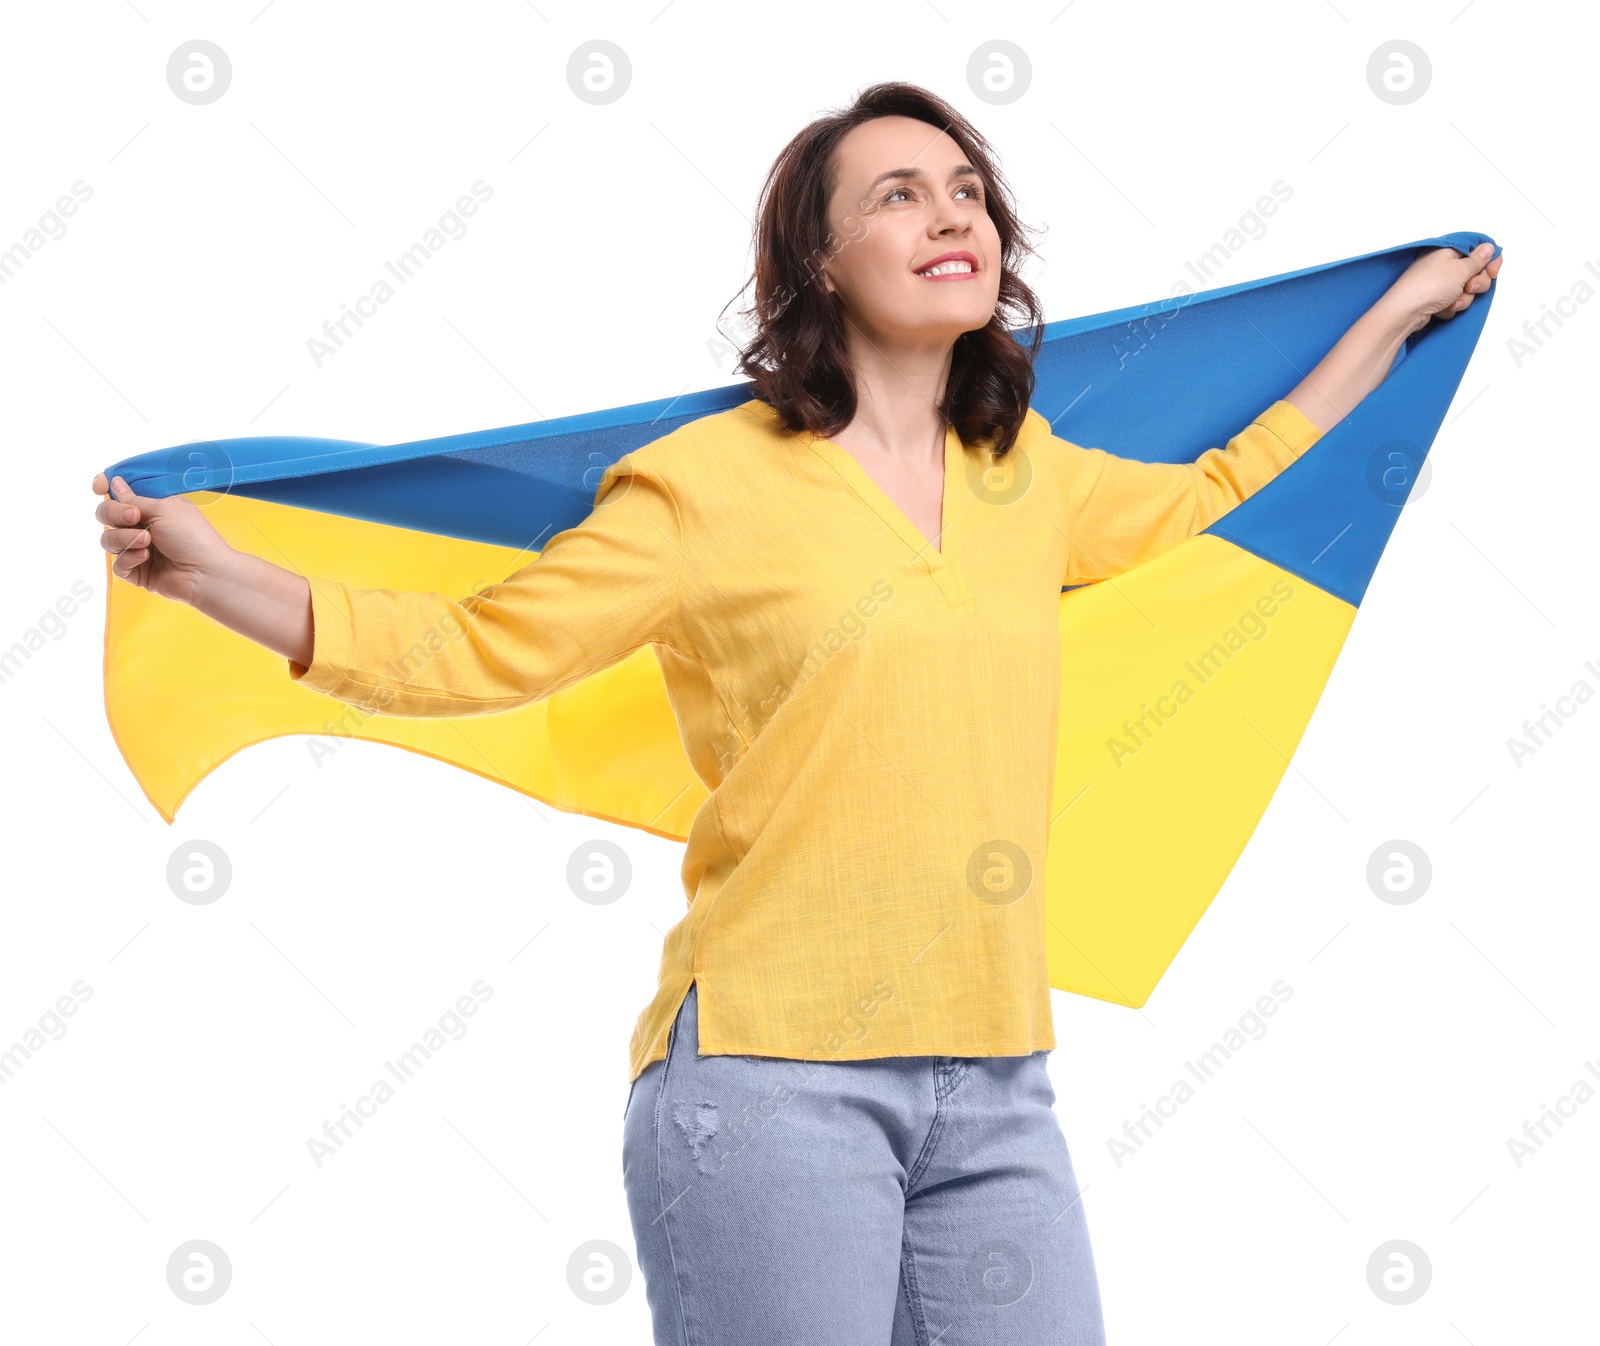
(896, 192)
(974, 188)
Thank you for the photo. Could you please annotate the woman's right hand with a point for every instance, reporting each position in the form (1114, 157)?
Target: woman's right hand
(166, 546)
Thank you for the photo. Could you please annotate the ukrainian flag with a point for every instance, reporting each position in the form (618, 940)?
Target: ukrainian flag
(1186, 682)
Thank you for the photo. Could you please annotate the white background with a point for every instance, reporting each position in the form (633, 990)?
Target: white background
(369, 893)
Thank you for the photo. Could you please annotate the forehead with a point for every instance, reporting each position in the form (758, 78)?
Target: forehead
(894, 142)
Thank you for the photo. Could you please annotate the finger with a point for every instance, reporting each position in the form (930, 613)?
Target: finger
(120, 490)
(147, 507)
(112, 512)
(128, 561)
(119, 540)
(101, 485)
(1474, 261)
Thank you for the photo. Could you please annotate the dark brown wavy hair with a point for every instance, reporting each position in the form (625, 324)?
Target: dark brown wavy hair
(797, 357)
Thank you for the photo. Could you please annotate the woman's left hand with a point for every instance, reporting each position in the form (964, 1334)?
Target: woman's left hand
(1442, 283)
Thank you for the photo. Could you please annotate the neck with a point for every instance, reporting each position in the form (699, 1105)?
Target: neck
(898, 389)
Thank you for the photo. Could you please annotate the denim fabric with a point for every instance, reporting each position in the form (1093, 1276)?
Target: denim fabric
(894, 1201)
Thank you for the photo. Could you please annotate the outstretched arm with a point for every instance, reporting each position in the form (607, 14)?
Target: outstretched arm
(1122, 512)
(597, 592)
(1439, 284)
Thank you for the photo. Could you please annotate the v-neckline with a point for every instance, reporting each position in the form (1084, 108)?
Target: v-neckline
(937, 556)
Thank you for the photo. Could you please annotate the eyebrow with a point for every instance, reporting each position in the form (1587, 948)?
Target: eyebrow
(960, 170)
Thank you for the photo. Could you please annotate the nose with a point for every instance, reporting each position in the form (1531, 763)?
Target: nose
(947, 218)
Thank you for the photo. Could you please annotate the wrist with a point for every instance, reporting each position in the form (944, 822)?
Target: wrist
(1396, 318)
(220, 571)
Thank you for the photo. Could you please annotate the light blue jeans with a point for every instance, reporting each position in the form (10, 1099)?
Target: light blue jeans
(894, 1201)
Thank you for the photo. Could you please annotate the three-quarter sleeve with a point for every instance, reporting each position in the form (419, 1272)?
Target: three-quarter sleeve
(594, 594)
(1122, 512)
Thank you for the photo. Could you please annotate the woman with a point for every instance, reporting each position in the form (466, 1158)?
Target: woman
(840, 1125)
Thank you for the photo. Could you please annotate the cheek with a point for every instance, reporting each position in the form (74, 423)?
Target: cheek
(850, 230)
(993, 252)
(991, 241)
(866, 268)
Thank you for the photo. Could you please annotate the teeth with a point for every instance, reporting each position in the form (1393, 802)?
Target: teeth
(947, 268)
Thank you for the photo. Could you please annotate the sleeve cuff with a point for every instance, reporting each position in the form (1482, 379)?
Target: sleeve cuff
(332, 638)
(1290, 424)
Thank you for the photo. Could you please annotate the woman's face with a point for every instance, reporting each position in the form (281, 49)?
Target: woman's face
(907, 197)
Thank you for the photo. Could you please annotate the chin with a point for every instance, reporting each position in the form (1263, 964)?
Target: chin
(959, 312)
(974, 320)
(945, 322)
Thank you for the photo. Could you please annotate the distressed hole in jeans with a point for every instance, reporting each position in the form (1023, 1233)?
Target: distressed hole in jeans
(698, 1123)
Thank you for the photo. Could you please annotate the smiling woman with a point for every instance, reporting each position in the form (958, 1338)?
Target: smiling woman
(891, 186)
(840, 1125)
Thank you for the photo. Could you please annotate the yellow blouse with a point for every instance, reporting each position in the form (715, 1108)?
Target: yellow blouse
(874, 716)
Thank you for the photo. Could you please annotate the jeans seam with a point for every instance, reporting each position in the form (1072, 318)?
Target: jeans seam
(655, 1128)
(908, 1286)
(926, 1154)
